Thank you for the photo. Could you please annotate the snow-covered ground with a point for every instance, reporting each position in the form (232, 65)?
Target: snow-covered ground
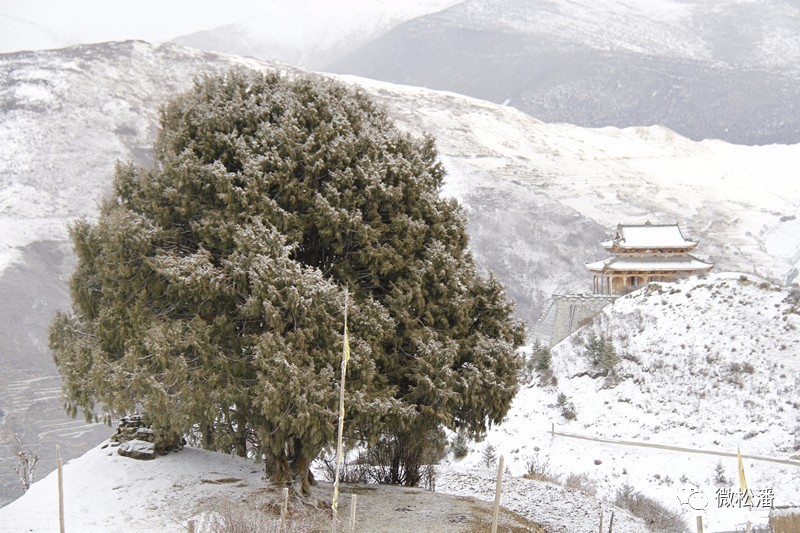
(104, 491)
(706, 364)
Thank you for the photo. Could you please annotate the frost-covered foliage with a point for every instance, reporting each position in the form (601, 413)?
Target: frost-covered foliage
(209, 293)
(600, 352)
(657, 517)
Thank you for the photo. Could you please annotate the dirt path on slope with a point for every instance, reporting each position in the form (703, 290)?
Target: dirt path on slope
(383, 508)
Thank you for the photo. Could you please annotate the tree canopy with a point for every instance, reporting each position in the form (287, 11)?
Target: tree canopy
(209, 292)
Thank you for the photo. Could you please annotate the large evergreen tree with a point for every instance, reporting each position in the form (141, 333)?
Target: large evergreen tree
(209, 292)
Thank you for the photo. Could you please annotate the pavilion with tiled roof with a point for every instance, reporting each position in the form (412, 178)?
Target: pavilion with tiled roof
(643, 253)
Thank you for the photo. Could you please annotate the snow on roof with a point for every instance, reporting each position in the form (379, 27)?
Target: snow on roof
(644, 236)
(686, 263)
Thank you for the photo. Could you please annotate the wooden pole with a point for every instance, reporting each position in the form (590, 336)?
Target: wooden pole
(601, 521)
(284, 508)
(345, 356)
(190, 525)
(497, 491)
(611, 523)
(699, 524)
(60, 490)
(353, 514)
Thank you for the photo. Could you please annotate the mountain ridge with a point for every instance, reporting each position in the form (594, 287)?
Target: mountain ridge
(708, 75)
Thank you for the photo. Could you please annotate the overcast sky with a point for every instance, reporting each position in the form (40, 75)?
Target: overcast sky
(113, 20)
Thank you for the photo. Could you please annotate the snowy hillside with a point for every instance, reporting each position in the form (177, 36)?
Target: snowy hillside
(531, 187)
(310, 33)
(562, 185)
(706, 364)
(66, 116)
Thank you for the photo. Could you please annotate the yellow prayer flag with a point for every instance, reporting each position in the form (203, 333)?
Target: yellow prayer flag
(742, 480)
(747, 498)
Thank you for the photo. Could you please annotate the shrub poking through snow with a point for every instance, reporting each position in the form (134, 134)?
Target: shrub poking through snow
(539, 470)
(568, 410)
(581, 483)
(657, 517)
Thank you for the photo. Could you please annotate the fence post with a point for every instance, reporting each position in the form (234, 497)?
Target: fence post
(611, 523)
(284, 507)
(60, 490)
(699, 524)
(601, 521)
(353, 514)
(190, 525)
(497, 491)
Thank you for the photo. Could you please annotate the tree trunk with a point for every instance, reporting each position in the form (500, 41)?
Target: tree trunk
(240, 440)
(291, 472)
(301, 475)
(208, 437)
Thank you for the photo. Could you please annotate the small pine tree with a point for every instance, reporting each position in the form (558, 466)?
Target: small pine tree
(561, 399)
(601, 352)
(489, 457)
(541, 357)
(460, 444)
(719, 474)
(594, 347)
(608, 357)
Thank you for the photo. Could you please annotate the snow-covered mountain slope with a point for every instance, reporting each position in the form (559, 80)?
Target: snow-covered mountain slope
(725, 69)
(540, 196)
(707, 364)
(65, 117)
(17, 34)
(310, 33)
(741, 202)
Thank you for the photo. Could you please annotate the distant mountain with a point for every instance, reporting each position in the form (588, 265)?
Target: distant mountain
(726, 70)
(310, 33)
(539, 197)
(17, 35)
